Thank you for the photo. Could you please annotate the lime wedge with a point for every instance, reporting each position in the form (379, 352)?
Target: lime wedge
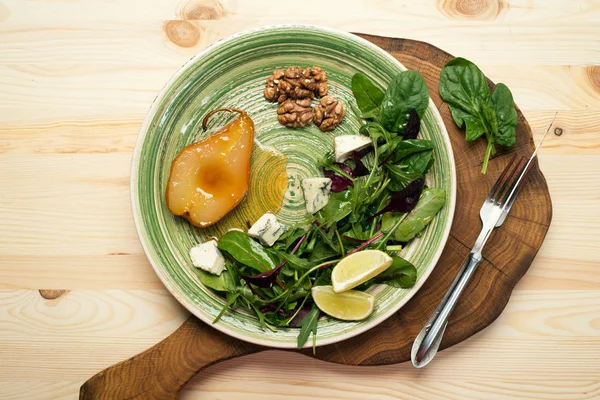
(358, 268)
(351, 305)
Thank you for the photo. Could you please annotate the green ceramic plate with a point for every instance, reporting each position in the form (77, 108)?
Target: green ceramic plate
(232, 72)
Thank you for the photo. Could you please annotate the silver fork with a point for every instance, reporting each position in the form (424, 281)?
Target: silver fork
(495, 208)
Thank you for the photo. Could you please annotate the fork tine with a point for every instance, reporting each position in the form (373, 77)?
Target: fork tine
(508, 199)
(509, 183)
(500, 178)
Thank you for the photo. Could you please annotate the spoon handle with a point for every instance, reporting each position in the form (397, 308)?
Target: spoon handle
(428, 340)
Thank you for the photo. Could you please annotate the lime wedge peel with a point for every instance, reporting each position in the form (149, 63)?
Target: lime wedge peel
(351, 305)
(358, 268)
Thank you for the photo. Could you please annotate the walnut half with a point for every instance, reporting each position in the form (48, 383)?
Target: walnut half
(296, 83)
(295, 113)
(329, 113)
(272, 92)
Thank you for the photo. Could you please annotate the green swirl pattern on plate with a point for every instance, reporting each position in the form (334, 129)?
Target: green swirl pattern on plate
(232, 72)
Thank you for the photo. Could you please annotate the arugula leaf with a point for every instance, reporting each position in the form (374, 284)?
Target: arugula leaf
(231, 301)
(262, 320)
(504, 105)
(247, 295)
(220, 283)
(358, 233)
(246, 251)
(291, 235)
(401, 274)
(309, 324)
(368, 96)
(322, 252)
(432, 200)
(296, 262)
(407, 91)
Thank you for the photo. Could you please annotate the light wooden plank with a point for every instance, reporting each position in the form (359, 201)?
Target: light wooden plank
(211, 385)
(551, 358)
(78, 358)
(553, 32)
(80, 313)
(579, 131)
(39, 389)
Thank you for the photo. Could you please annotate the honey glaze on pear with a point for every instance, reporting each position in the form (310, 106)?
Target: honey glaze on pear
(211, 177)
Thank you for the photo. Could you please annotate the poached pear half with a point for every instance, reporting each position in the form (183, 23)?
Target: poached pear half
(211, 177)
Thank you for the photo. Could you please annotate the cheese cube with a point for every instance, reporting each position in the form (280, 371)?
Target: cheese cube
(207, 256)
(267, 230)
(346, 144)
(316, 193)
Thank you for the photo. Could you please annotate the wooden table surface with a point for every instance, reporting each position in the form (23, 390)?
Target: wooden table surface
(76, 79)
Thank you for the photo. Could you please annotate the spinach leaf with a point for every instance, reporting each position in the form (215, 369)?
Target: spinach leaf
(400, 176)
(407, 91)
(389, 219)
(490, 121)
(408, 147)
(246, 251)
(368, 96)
(431, 201)
(337, 208)
(419, 162)
(464, 87)
(401, 274)
(309, 324)
(506, 115)
(221, 283)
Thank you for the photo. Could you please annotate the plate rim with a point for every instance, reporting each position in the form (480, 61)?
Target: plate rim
(134, 186)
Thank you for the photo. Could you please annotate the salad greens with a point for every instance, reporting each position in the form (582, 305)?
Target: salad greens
(379, 200)
(464, 87)
(408, 91)
(367, 95)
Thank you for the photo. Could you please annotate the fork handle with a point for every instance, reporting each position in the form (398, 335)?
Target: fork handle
(428, 340)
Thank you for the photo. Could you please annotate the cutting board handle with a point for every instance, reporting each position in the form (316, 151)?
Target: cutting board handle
(163, 370)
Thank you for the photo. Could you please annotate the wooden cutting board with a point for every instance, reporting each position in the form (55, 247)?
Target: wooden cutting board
(163, 370)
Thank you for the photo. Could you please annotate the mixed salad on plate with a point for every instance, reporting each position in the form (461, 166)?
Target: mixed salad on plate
(370, 201)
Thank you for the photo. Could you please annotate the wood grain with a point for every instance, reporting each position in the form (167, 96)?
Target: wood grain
(76, 82)
(190, 349)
